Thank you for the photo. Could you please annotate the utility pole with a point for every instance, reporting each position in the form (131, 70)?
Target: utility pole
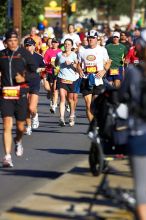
(132, 11)
(64, 5)
(17, 5)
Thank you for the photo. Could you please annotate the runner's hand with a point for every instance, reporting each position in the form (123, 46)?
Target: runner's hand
(100, 73)
(68, 62)
(19, 78)
(81, 74)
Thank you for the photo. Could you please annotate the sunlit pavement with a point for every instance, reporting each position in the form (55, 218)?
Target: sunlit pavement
(69, 197)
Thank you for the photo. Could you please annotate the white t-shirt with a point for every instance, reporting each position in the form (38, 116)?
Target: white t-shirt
(93, 60)
(1, 45)
(74, 37)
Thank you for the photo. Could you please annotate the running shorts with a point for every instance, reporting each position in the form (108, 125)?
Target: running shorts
(85, 89)
(119, 76)
(68, 87)
(15, 108)
(34, 85)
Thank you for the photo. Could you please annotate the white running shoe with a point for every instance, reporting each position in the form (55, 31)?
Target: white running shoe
(28, 130)
(71, 121)
(7, 161)
(35, 121)
(53, 108)
(18, 148)
(67, 108)
(51, 103)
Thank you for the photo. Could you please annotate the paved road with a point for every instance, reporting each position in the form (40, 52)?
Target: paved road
(49, 152)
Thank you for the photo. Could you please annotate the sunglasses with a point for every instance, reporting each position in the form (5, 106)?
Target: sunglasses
(28, 45)
(115, 37)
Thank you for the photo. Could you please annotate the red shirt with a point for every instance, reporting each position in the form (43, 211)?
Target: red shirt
(131, 56)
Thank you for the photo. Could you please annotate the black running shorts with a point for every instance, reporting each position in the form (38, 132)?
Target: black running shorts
(15, 108)
(85, 89)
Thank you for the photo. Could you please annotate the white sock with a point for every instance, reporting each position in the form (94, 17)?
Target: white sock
(8, 156)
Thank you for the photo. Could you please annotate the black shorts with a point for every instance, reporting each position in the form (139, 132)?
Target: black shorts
(85, 89)
(34, 86)
(15, 108)
(51, 78)
(68, 87)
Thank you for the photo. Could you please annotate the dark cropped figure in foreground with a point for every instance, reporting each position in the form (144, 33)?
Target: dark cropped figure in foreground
(133, 92)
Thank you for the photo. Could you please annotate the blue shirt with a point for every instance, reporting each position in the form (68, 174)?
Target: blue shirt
(66, 71)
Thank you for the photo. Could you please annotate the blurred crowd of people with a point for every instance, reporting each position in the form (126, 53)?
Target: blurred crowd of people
(66, 64)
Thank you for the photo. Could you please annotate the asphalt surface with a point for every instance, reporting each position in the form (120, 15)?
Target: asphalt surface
(50, 152)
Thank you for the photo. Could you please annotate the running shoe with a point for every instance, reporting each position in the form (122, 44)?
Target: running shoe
(62, 123)
(7, 161)
(71, 121)
(53, 108)
(51, 103)
(67, 108)
(28, 130)
(18, 148)
(35, 121)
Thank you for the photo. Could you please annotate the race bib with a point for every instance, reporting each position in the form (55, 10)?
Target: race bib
(11, 92)
(114, 72)
(56, 70)
(91, 69)
(136, 61)
(53, 60)
(66, 81)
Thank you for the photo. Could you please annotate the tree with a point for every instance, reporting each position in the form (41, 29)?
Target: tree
(3, 16)
(112, 7)
(30, 12)
(83, 4)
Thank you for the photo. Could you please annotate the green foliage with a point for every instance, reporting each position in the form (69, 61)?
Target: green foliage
(30, 12)
(83, 4)
(3, 16)
(112, 7)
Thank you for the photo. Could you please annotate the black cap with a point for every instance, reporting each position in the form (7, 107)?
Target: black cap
(29, 41)
(11, 34)
(54, 40)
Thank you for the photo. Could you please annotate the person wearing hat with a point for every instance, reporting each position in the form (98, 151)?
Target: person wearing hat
(116, 52)
(17, 68)
(49, 59)
(93, 66)
(34, 85)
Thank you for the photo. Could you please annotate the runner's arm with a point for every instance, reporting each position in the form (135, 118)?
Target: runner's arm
(107, 65)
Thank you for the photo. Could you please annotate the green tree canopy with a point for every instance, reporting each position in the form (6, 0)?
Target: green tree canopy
(3, 16)
(112, 7)
(30, 12)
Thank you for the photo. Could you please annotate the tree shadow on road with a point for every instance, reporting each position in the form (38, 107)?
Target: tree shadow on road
(62, 131)
(111, 171)
(51, 215)
(64, 151)
(31, 173)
